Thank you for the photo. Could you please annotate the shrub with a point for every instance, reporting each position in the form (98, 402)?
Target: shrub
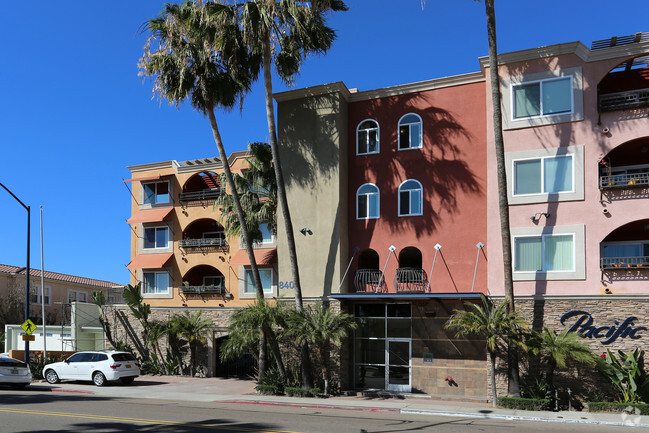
(301, 392)
(36, 364)
(273, 379)
(524, 403)
(267, 390)
(616, 406)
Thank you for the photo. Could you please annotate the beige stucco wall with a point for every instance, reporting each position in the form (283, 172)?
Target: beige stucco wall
(313, 159)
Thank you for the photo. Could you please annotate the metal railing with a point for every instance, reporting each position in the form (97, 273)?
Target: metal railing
(367, 281)
(624, 181)
(636, 262)
(220, 289)
(624, 100)
(205, 194)
(410, 280)
(202, 242)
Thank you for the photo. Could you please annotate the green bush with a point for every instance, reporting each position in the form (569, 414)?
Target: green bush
(301, 392)
(616, 406)
(36, 364)
(524, 403)
(267, 389)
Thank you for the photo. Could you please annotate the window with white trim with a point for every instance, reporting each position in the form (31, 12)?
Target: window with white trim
(156, 237)
(156, 192)
(266, 276)
(77, 295)
(367, 137)
(367, 201)
(410, 136)
(542, 98)
(544, 253)
(547, 175)
(155, 282)
(410, 198)
(35, 295)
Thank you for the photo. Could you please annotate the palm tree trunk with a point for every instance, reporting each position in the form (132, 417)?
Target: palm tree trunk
(492, 371)
(307, 375)
(277, 354)
(503, 204)
(237, 204)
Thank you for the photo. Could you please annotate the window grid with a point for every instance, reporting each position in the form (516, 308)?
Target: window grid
(542, 107)
(155, 282)
(156, 237)
(367, 202)
(543, 177)
(367, 137)
(410, 132)
(544, 263)
(410, 198)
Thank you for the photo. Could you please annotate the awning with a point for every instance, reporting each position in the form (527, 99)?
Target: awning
(264, 256)
(149, 215)
(142, 178)
(149, 261)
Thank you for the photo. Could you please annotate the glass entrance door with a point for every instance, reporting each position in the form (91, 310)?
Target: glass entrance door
(397, 375)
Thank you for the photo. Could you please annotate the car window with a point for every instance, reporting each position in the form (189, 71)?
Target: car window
(123, 357)
(100, 357)
(77, 357)
(7, 362)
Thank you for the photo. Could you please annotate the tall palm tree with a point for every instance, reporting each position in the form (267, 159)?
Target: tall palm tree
(491, 322)
(320, 326)
(189, 61)
(558, 349)
(258, 194)
(99, 299)
(195, 329)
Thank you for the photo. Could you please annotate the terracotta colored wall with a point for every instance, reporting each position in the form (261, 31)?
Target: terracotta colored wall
(451, 167)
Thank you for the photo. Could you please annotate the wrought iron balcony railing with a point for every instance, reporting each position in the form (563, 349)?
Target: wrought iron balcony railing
(205, 194)
(202, 242)
(624, 100)
(624, 181)
(367, 281)
(637, 262)
(410, 280)
(220, 289)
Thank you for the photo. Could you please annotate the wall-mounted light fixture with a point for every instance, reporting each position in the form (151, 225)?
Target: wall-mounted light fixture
(306, 231)
(537, 216)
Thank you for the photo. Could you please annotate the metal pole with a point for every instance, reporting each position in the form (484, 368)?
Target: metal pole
(27, 275)
(392, 249)
(437, 248)
(480, 246)
(43, 293)
(356, 250)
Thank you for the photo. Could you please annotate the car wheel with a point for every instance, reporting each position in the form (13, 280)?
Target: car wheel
(51, 376)
(127, 380)
(98, 378)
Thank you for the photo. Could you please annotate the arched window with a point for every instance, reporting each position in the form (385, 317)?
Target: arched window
(367, 137)
(410, 132)
(410, 198)
(367, 201)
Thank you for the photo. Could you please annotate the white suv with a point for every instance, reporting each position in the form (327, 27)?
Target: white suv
(99, 366)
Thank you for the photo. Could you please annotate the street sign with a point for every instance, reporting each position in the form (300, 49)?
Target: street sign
(29, 338)
(28, 327)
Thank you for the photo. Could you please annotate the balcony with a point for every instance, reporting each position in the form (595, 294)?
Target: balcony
(201, 196)
(203, 236)
(216, 289)
(624, 181)
(410, 280)
(627, 100)
(367, 281)
(202, 243)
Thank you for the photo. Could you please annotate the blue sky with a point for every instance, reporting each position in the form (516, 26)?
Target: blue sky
(75, 113)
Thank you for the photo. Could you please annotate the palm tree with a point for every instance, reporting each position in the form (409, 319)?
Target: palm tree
(99, 299)
(558, 349)
(141, 311)
(260, 316)
(258, 194)
(189, 61)
(491, 322)
(195, 329)
(320, 326)
(157, 330)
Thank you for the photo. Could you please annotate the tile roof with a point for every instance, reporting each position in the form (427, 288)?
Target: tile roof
(7, 269)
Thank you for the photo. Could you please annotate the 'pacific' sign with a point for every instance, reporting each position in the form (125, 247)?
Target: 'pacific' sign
(585, 328)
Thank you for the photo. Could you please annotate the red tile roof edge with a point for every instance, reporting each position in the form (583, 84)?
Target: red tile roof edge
(20, 270)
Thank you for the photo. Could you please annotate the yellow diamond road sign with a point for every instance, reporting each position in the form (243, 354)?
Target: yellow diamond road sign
(28, 327)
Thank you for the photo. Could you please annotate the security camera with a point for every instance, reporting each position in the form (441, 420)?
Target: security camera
(605, 131)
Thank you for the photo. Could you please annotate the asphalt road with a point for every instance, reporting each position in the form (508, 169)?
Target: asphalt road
(46, 411)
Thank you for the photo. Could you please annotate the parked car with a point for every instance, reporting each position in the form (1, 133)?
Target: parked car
(99, 366)
(14, 373)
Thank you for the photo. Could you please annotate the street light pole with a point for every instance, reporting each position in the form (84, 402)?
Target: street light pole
(27, 270)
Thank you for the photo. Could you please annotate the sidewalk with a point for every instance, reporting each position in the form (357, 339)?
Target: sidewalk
(235, 391)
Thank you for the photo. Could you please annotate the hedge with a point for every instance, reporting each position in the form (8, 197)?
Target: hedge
(524, 403)
(301, 392)
(616, 406)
